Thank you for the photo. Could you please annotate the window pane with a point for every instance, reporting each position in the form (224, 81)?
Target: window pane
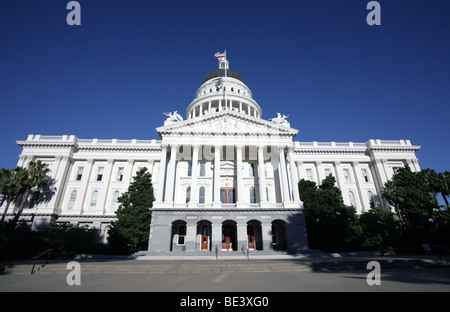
(120, 174)
(252, 195)
(251, 170)
(201, 195)
(189, 169)
(94, 199)
(79, 173)
(202, 169)
(188, 194)
(222, 197)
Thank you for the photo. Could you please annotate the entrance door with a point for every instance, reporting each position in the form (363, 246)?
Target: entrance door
(251, 237)
(227, 196)
(205, 237)
(228, 237)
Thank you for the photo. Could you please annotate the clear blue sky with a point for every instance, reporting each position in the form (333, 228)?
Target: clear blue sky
(315, 60)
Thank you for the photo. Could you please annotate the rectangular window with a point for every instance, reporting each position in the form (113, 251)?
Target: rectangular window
(201, 195)
(252, 195)
(79, 173)
(365, 175)
(309, 175)
(189, 173)
(202, 169)
(327, 172)
(120, 174)
(100, 173)
(347, 175)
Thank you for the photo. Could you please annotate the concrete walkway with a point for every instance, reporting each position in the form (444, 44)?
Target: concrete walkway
(205, 276)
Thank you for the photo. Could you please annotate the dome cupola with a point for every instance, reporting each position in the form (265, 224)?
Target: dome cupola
(223, 89)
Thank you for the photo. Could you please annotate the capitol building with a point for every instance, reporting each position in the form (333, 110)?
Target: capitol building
(224, 177)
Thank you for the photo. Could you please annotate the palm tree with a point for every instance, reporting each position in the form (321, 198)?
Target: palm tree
(432, 179)
(445, 186)
(36, 175)
(10, 186)
(393, 197)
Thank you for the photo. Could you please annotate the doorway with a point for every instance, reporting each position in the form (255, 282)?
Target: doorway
(229, 242)
(227, 195)
(205, 238)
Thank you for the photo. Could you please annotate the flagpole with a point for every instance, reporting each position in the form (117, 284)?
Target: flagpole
(224, 85)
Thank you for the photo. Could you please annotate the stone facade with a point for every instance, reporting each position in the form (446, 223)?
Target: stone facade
(224, 178)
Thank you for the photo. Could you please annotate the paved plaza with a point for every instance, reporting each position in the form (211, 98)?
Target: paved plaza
(287, 275)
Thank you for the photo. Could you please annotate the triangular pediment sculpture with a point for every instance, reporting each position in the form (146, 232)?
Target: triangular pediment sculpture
(226, 122)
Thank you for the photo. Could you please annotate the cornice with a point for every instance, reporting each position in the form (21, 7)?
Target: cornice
(120, 148)
(225, 210)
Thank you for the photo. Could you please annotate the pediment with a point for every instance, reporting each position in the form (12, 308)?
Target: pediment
(228, 122)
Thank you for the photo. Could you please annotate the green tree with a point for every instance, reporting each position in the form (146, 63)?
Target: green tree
(132, 228)
(331, 225)
(36, 175)
(380, 229)
(395, 197)
(444, 186)
(409, 193)
(433, 181)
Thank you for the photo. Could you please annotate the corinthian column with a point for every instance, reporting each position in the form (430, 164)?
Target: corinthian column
(161, 174)
(171, 174)
(216, 202)
(239, 177)
(294, 176)
(262, 176)
(194, 187)
(284, 181)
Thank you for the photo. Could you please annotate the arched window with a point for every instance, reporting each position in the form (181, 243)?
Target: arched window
(94, 199)
(201, 195)
(351, 196)
(188, 194)
(252, 195)
(115, 201)
(251, 170)
(371, 199)
(73, 197)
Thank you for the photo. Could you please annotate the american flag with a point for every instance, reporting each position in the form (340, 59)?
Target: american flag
(220, 54)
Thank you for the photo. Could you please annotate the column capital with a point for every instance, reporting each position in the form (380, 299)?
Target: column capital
(164, 147)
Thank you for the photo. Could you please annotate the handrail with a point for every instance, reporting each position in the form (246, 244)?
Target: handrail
(47, 251)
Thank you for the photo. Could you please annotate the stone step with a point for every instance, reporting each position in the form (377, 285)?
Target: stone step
(217, 267)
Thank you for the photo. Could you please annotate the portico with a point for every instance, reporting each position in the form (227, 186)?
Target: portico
(227, 178)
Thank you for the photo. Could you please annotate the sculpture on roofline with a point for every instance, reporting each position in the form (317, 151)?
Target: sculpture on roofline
(281, 120)
(172, 117)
